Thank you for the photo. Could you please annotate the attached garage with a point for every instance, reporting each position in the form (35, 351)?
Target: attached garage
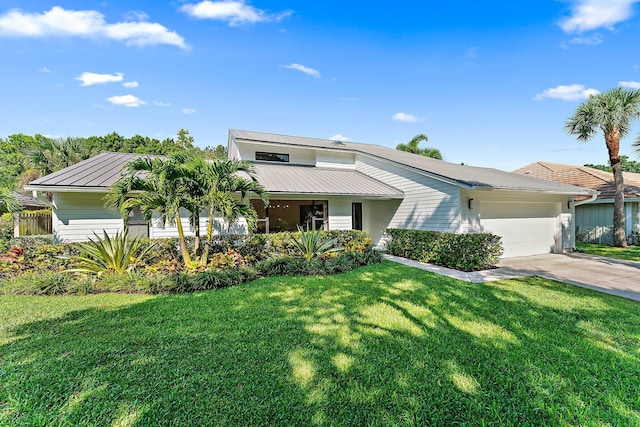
(526, 228)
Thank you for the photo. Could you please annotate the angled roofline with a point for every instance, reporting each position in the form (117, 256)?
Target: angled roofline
(355, 148)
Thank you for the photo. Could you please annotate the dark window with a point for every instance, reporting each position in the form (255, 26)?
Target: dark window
(272, 157)
(356, 216)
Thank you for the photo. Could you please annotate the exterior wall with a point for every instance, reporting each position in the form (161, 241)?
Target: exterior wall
(158, 230)
(376, 216)
(428, 204)
(76, 216)
(297, 156)
(594, 221)
(327, 159)
(339, 213)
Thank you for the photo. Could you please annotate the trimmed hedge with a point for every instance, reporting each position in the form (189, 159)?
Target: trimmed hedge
(465, 252)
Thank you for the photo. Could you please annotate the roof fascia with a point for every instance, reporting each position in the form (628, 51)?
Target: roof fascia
(66, 189)
(361, 196)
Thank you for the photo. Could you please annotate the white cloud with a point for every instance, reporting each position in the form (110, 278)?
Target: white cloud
(88, 79)
(630, 85)
(572, 92)
(188, 111)
(234, 12)
(131, 84)
(304, 69)
(59, 22)
(126, 100)
(587, 15)
(404, 117)
(588, 41)
(341, 138)
(44, 70)
(161, 104)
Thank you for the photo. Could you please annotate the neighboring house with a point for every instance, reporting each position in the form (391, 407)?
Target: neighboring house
(594, 219)
(340, 185)
(29, 203)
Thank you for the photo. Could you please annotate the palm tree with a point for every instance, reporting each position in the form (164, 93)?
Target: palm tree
(8, 200)
(224, 187)
(611, 112)
(156, 186)
(50, 155)
(412, 147)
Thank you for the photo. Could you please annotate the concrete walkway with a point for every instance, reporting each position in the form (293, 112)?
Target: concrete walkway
(612, 276)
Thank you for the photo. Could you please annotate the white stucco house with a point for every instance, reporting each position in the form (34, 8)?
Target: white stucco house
(343, 185)
(594, 216)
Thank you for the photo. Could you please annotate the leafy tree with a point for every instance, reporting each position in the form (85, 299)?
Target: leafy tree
(625, 164)
(611, 112)
(412, 147)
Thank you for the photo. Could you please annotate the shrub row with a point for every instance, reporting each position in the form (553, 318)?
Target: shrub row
(59, 282)
(465, 252)
(37, 254)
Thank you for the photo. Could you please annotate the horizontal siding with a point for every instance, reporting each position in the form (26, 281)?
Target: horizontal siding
(77, 216)
(376, 216)
(335, 160)
(299, 156)
(339, 213)
(428, 204)
(158, 230)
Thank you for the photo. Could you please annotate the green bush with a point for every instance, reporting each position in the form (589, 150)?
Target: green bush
(36, 268)
(465, 252)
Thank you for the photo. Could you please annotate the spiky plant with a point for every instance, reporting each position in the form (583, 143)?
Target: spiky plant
(116, 255)
(311, 244)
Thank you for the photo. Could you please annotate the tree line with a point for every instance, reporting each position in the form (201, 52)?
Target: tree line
(24, 158)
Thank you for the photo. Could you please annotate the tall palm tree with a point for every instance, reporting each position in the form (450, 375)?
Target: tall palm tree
(224, 187)
(157, 186)
(611, 112)
(412, 147)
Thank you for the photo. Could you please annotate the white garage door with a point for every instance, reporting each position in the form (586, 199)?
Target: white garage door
(525, 228)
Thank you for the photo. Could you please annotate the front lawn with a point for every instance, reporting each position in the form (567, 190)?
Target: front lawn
(631, 253)
(382, 345)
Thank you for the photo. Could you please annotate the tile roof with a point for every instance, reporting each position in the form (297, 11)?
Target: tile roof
(583, 176)
(467, 176)
(279, 178)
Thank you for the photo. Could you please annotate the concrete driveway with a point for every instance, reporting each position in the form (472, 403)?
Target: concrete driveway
(613, 276)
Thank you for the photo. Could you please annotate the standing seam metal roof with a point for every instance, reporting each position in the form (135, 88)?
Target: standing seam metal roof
(102, 170)
(280, 178)
(469, 176)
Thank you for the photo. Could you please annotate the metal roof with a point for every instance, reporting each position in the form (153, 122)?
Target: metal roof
(293, 179)
(466, 176)
(100, 171)
(584, 176)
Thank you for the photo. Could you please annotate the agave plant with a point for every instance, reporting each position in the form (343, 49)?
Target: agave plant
(115, 255)
(311, 244)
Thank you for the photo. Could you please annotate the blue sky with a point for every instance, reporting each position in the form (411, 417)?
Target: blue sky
(491, 83)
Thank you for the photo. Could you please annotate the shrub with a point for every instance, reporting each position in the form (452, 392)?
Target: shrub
(466, 252)
(310, 244)
(116, 255)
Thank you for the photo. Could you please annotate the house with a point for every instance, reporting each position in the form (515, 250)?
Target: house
(342, 185)
(594, 220)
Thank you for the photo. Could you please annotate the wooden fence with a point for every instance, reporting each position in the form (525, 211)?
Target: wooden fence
(31, 224)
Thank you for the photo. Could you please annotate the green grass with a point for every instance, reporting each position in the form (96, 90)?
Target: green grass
(382, 345)
(631, 253)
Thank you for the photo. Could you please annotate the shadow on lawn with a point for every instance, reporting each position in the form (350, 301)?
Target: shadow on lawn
(383, 345)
